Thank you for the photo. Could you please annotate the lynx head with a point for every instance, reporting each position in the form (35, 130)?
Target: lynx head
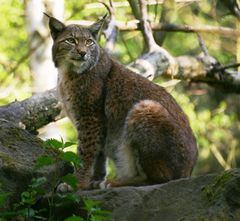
(75, 47)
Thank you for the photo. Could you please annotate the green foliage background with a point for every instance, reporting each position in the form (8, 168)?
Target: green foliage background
(213, 114)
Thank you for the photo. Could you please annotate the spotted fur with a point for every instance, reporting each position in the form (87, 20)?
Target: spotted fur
(118, 114)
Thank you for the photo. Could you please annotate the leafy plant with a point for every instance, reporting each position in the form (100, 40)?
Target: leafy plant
(24, 209)
(59, 145)
(95, 213)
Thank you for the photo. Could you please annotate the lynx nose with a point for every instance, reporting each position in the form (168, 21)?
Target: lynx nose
(82, 53)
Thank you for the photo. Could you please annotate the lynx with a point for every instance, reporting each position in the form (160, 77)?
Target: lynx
(118, 115)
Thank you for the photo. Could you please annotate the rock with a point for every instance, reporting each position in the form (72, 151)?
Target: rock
(214, 197)
(19, 151)
(209, 197)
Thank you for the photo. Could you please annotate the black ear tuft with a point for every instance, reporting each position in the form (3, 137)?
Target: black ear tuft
(55, 26)
(97, 26)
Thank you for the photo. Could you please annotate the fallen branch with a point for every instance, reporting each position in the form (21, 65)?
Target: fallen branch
(34, 112)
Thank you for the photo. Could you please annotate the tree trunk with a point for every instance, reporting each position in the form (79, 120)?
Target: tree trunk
(44, 72)
(42, 67)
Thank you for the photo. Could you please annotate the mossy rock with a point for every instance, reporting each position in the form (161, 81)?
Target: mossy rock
(19, 151)
(212, 197)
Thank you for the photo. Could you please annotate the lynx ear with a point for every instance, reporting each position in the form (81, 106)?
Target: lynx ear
(56, 27)
(97, 26)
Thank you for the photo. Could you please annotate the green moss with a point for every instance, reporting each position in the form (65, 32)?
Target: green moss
(214, 190)
(8, 161)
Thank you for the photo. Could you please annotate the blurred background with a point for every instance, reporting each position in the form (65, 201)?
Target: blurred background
(26, 67)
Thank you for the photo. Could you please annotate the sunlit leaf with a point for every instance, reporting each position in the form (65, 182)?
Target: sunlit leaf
(54, 143)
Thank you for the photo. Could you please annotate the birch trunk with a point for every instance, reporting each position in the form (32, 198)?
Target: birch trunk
(42, 68)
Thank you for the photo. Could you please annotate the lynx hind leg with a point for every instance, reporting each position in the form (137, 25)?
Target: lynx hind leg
(139, 161)
(128, 171)
(149, 132)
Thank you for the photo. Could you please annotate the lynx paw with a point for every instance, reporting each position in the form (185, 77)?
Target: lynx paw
(64, 188)
(105, 185)
(100, 184)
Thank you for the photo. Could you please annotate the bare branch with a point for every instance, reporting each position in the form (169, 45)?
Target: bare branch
(126, 4)
(190, 68)
(111, 31)
(149, 42)
(134, 26)
(167, 16)
(146, 30)
(202, 45)
(200, 28)
(227, 66)
(134, 4)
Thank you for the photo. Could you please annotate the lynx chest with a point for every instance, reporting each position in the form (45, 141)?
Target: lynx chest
(80, 95)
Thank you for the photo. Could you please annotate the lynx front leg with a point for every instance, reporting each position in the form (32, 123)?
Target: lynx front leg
(90, 145)
(99, 167)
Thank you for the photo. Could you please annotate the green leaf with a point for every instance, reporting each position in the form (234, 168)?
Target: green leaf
(71, 180)
(28, 198)
(74, 218)
(90, 204)
(43, 161)
(55, 144)
(68, 144)
(4, 197)
(71, 157)
(99, 217)
(38, 182)
(71, 197)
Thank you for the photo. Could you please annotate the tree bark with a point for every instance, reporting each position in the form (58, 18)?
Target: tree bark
(34, 112)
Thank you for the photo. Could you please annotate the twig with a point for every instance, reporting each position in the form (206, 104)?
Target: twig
(219, 157)
(202, 45)
(145, 27)
(167, 16)
(127, 48)
(109, 8)
(227, 66)
(111, 31)
(27, 55)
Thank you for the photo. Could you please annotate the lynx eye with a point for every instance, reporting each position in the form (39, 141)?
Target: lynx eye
(70, 41)
(89, 42)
